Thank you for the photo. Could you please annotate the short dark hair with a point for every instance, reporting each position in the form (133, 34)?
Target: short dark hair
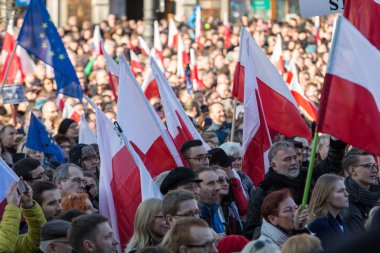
(24, 167)
(352, 157)
(84, 228)
(173, 199)
(39, 188)
(271, 202)
(190, 144)
(203, 169)
(71, 214)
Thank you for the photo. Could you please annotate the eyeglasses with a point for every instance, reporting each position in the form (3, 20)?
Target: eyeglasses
(160, 217)
(369, 166)
(206, 246)
(221, 180)
(189, 214)
(78, 180)
(201, 158)
(40, 176)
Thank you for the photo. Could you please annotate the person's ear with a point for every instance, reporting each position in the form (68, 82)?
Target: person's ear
(58, 183)
(170, 219)
(89, 246)
(273, 220)
(352, 171)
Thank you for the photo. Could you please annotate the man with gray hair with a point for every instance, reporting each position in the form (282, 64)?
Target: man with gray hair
(69, 178)
(284, 172)
(54, 237)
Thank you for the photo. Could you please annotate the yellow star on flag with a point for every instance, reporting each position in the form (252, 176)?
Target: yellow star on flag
(44, 25)
(61, 56)
(42, 36)
(44, 45)
(51, 53)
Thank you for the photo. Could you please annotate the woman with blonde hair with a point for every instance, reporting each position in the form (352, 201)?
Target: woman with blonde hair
(80, 201)
(150, 226)
(303, 243)
(329, 197)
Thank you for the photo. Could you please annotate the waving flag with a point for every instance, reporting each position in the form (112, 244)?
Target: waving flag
(256, 138)
(157, 41)
(350, 102)
(316, 28)
(86, 135)
(196, 82)
(98, 40)
(178, 123)
(39, 37)
(113, 72)
(180, 60)
(39, 139)
(136, 64)
(227, 31)
(143, 126)
(198, 26)
(7, 176)
(173, 34)
(70, 113)
(277, 58)
(365, 16)
(122, 175)
(280, 109)
(143, 46)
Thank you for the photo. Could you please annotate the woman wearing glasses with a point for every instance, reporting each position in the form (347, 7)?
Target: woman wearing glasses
(150, 226)
(328, 199)
(362, 186)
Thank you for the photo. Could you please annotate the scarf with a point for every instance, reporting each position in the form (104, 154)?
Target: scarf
(273, 233)
(361, 196)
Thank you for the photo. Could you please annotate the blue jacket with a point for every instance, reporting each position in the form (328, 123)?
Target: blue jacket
(328, 230)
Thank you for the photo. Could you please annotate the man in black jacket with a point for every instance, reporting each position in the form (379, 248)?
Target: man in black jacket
(284, 173)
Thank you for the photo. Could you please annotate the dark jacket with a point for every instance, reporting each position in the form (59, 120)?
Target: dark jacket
(274, 181)
(361, 202)
(222, 131)
(329, 231)
(211, 216)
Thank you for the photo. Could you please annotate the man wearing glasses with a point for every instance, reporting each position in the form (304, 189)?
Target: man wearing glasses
(30, 170)
(362, 186)
(195, 154)
(69, 178)
(54, 237)
(190, 235)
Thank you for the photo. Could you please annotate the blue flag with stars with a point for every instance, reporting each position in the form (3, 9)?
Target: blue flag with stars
(39, 139)
(39, 37)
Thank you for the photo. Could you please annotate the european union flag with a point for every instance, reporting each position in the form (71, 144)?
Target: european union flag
(39, 37)
(39, 139)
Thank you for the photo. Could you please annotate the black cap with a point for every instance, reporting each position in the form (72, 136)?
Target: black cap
(296, 144)
(219, 157)
(54, 229)
(176, 177)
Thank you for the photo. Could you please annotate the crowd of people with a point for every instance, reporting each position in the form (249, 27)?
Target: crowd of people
(211, 204)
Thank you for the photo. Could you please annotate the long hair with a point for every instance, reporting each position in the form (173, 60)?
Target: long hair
(75, 201)
(145, 215)
(321, 193)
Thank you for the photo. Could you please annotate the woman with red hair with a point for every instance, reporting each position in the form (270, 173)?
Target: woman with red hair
(281, 217)
(80, 201)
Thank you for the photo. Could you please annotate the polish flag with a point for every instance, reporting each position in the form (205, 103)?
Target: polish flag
(180, 58)
(256, 138)
(198, 26)
(280, 108)
(350, 102)
(197, 83)
(173, 34)
(277, 59)
(227, 31)
(149, 85)
(157, 41)
(316, 28)
(98, 40)
(365, 16)
(7, 176)
(143, 126)
(113, 73)
(124, 180)
(143, 46)
(70, 113)
(86, 135)
(178, 123)
(136, 64)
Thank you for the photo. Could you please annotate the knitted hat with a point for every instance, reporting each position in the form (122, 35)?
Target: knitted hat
(54, 229)
(79, 152)
(232, 243)
(64, 126)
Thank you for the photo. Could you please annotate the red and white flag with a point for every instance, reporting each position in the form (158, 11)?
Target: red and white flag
(124, 180)
(86, 135)
(172, 34)
(142, 125)
(197, 83)
(316, 28)
(70, 113)
(365, 16)
(136, 64)
(256, 138)
(198, 26)
(350, 102)
(277, 58)
(178, 123)
(97, 40)
(227, 31)
(280, 108)
(157, 47)
(113, 73)
(180, 60)
(7, 176)
(143, 46)
(149, 85)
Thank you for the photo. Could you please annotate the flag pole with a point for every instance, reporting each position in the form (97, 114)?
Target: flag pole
(310, 171)
(233, 122)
